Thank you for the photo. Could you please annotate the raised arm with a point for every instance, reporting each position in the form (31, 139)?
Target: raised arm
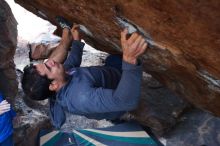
(60, 53)
(75, 57)
(127, 94)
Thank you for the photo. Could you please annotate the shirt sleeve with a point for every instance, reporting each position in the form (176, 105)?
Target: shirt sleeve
(75, 57)
(124, 98)
(57, 114)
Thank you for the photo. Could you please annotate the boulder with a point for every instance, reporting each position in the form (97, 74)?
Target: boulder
(183, 38)
(160, 109)
(195, 128)
(8, 42)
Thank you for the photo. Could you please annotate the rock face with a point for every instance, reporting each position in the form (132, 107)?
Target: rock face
(28, 121)
(183, 37)
(8, 42)
(196, 128)
(159, 109)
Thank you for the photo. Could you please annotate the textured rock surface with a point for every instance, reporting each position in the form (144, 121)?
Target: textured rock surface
(8, 42)
(196, 128)
(184, 38)
(28, 121)
(159, 108)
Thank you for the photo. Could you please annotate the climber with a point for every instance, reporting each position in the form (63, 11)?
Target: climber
(98, 92)
(6, 117)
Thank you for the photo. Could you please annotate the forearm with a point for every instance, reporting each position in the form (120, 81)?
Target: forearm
(75, 57)
(59, 54)
(128, 89)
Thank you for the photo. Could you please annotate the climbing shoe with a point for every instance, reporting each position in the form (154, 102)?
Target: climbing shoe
(63, 22)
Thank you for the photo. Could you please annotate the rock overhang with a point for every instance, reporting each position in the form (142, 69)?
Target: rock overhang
(183, 38)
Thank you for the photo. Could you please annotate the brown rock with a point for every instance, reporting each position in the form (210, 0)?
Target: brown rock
(8, 42)
(160, 109)
(183, 37)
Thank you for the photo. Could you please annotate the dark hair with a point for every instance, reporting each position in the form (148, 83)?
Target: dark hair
(34, 85)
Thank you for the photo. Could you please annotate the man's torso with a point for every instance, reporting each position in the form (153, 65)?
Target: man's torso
(78, 89)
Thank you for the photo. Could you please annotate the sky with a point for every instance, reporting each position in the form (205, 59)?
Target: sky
(34, 29)
(29, 25)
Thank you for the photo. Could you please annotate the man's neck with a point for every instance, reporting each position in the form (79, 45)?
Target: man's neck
(62, 82)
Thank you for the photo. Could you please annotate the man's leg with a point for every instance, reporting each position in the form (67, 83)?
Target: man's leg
(114, 61)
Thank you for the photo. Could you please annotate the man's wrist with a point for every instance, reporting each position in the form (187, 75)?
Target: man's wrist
(130, 60)
(76, 38)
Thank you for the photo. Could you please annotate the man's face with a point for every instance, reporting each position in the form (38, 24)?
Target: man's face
(51, 69)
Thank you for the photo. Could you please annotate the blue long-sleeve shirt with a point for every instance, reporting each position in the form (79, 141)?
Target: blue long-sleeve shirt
(6, 127)
(96, 92)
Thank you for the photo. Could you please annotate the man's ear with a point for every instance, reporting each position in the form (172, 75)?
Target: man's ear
(53, 86)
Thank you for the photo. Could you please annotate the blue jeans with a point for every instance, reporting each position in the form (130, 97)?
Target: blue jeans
(114, 61)
(8, 141)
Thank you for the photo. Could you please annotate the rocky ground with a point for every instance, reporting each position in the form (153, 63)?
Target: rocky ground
(161, 110)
